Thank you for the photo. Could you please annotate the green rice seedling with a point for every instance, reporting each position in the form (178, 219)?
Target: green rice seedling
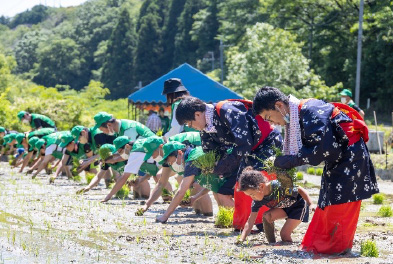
(166, 193)
(77, 178)
(299, 176)
(319, 171)
(104, 153)
(23, 245)
(123, 192)
(186, 201)
(11, 159)
(311, 170)
(368, 248)
(287, 178)
(207, 162)
(224, 218)
(139, 212)
(385, 211)
(160, 132)
(378, 198)
(89, 177)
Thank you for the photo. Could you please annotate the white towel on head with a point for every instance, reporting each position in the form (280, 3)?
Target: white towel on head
(293, 139)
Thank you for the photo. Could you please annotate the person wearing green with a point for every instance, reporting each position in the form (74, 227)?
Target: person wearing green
(188, 138)
(36, 121)
(11, 142)
(109, 162)
(141, 187)
(50, 147)
(4, 132)
(181, 159)
(72, 149)
(346, 98)
(173, 156)
(121, 127)
(21, 139)
(21, 145)
(174, 90)
(164, 120)
(117, 167)
(142, 151)
(40, 133)
(5, 147)
(93, 138)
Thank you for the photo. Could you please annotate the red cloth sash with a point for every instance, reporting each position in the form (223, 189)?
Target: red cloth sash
(354, 130)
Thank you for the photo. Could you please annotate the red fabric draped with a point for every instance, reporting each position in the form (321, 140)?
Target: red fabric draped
(332, 230)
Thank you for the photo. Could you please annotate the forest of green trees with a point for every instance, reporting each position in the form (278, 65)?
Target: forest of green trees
(306, 47)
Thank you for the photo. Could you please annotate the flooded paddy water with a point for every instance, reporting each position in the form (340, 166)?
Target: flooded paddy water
(43, 223)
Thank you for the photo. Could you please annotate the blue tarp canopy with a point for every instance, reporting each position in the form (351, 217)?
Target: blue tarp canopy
(195, 81)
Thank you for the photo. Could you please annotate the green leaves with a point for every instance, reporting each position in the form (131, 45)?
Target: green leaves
(272, 56)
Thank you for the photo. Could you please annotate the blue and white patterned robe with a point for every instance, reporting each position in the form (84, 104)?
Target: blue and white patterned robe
(348, 173)
(235, 128)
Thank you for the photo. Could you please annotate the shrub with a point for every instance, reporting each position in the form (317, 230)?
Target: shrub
(224, 217)
(385, 211)
(378, 198)
(368, 248)
(319, 172)
(311, 170)
(299, 176)
(89, 177)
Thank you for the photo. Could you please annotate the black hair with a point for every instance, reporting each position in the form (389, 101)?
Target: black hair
(173, 97)
(250, 179)
(105, 124)
(266, 98)
(187, 108)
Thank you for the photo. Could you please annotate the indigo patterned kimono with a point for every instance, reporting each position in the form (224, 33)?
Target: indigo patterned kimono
(348, 174)
(236, 128)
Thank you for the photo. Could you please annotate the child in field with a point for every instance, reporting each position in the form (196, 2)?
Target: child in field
(292, 205)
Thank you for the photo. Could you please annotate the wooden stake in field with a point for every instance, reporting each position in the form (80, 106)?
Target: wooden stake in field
(376, 130)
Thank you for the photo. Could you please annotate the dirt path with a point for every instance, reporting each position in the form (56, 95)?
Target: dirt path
(42, 223)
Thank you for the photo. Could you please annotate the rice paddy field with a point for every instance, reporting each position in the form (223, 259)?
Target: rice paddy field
(49, 223)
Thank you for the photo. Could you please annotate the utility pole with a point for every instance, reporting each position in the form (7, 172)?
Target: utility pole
(211, 53)
(222, 60)
(222, 46)
(359, 55)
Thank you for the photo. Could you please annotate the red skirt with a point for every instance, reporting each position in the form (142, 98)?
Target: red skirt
(243, 207)
(332, 230)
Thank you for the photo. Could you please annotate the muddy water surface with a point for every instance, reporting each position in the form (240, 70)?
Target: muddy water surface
(42, 223)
